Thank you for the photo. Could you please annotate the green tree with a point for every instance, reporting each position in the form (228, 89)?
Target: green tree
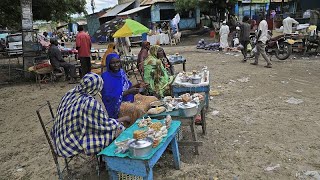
(185, 5)
(54, 10)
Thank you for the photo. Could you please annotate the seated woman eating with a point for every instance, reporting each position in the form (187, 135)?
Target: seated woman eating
(156, 75)
(117, 89)
(81, 125)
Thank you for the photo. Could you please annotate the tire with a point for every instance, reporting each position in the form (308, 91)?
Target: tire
(284, 51)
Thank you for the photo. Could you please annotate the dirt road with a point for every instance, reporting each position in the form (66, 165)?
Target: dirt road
(254, 129)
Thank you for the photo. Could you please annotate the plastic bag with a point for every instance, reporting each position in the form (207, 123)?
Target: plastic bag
(249, 47)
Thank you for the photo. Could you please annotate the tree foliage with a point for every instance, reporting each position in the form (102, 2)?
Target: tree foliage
(49, 10)
(186, 5)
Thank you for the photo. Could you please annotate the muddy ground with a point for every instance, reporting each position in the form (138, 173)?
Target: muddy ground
(254, 129)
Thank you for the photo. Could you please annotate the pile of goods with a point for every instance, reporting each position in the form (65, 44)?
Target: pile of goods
(148, 136)
(194, 77)
(208, 46)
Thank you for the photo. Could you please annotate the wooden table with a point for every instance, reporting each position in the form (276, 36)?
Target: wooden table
(188, 121)
(179, 88)
(139, 167)
(178, 61)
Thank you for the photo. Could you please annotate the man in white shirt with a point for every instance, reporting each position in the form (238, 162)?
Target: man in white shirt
(287, 25)
(224, 32)
(261, 43)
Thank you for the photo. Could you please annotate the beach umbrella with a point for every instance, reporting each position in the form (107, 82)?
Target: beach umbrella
(130, 28)
(108, 28)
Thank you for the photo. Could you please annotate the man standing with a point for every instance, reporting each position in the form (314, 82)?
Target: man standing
(57, 61)
(261, 44)
(83, 45)
(245, 36)
(287, 25)
(224, 32)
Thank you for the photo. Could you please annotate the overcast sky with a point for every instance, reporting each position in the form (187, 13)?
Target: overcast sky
(100, 4)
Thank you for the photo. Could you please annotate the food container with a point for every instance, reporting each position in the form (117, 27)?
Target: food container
(155, 104)
(195, 79)
(184, 79)
(140, 148)
(188, 109)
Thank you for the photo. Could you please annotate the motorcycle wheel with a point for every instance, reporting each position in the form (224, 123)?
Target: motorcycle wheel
(284, 51)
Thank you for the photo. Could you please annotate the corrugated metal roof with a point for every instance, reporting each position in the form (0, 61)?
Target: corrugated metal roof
(150, 2)
(118, 8)
(131, 11)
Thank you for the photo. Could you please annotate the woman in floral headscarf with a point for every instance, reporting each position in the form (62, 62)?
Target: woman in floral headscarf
(81, 125)
(155, 74)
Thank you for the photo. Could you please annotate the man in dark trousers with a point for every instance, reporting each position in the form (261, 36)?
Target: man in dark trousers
(57, 61)
(245, 36)
(83, 45)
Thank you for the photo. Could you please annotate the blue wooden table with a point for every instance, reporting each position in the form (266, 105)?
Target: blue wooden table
(142, 167)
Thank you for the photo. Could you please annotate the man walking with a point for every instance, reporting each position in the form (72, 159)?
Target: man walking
(261, 44)
(245, 36)
(224, 32)
(83, 45)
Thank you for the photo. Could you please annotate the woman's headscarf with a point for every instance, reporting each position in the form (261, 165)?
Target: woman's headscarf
(81, 124)
(115, 84)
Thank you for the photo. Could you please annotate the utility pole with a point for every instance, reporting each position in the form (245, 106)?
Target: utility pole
(250, 8)
(92, 6)
(27, 35)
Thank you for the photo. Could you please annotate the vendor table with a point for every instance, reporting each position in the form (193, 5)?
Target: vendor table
(179, 87)
(188, 121)
(174, 61)
(123, 163)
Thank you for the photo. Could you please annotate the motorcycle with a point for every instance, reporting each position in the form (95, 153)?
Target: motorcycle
(280, 46)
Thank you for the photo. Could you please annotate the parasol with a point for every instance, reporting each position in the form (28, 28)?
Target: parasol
(130, 28)
(108, 28)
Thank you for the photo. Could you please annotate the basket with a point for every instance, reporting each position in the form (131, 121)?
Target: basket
(123, 176)
(45, 70)
(179, 135)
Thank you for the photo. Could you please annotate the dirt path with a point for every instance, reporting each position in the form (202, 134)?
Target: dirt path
(254, 129)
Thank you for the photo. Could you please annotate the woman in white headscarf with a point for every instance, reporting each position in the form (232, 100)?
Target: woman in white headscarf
(224, 32)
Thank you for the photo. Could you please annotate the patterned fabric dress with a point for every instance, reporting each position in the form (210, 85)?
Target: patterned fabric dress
(81, 125)
(155, 74)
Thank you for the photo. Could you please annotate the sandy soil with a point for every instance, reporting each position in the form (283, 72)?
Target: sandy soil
(255, 127)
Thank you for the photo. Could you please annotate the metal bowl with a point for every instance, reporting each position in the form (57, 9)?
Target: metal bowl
(195, 79)
(140, 148)
(184, 79)
(188, 109)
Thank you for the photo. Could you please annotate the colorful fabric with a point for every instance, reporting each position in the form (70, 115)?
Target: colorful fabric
(115, 84)
(81, 125)
(155, 74)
